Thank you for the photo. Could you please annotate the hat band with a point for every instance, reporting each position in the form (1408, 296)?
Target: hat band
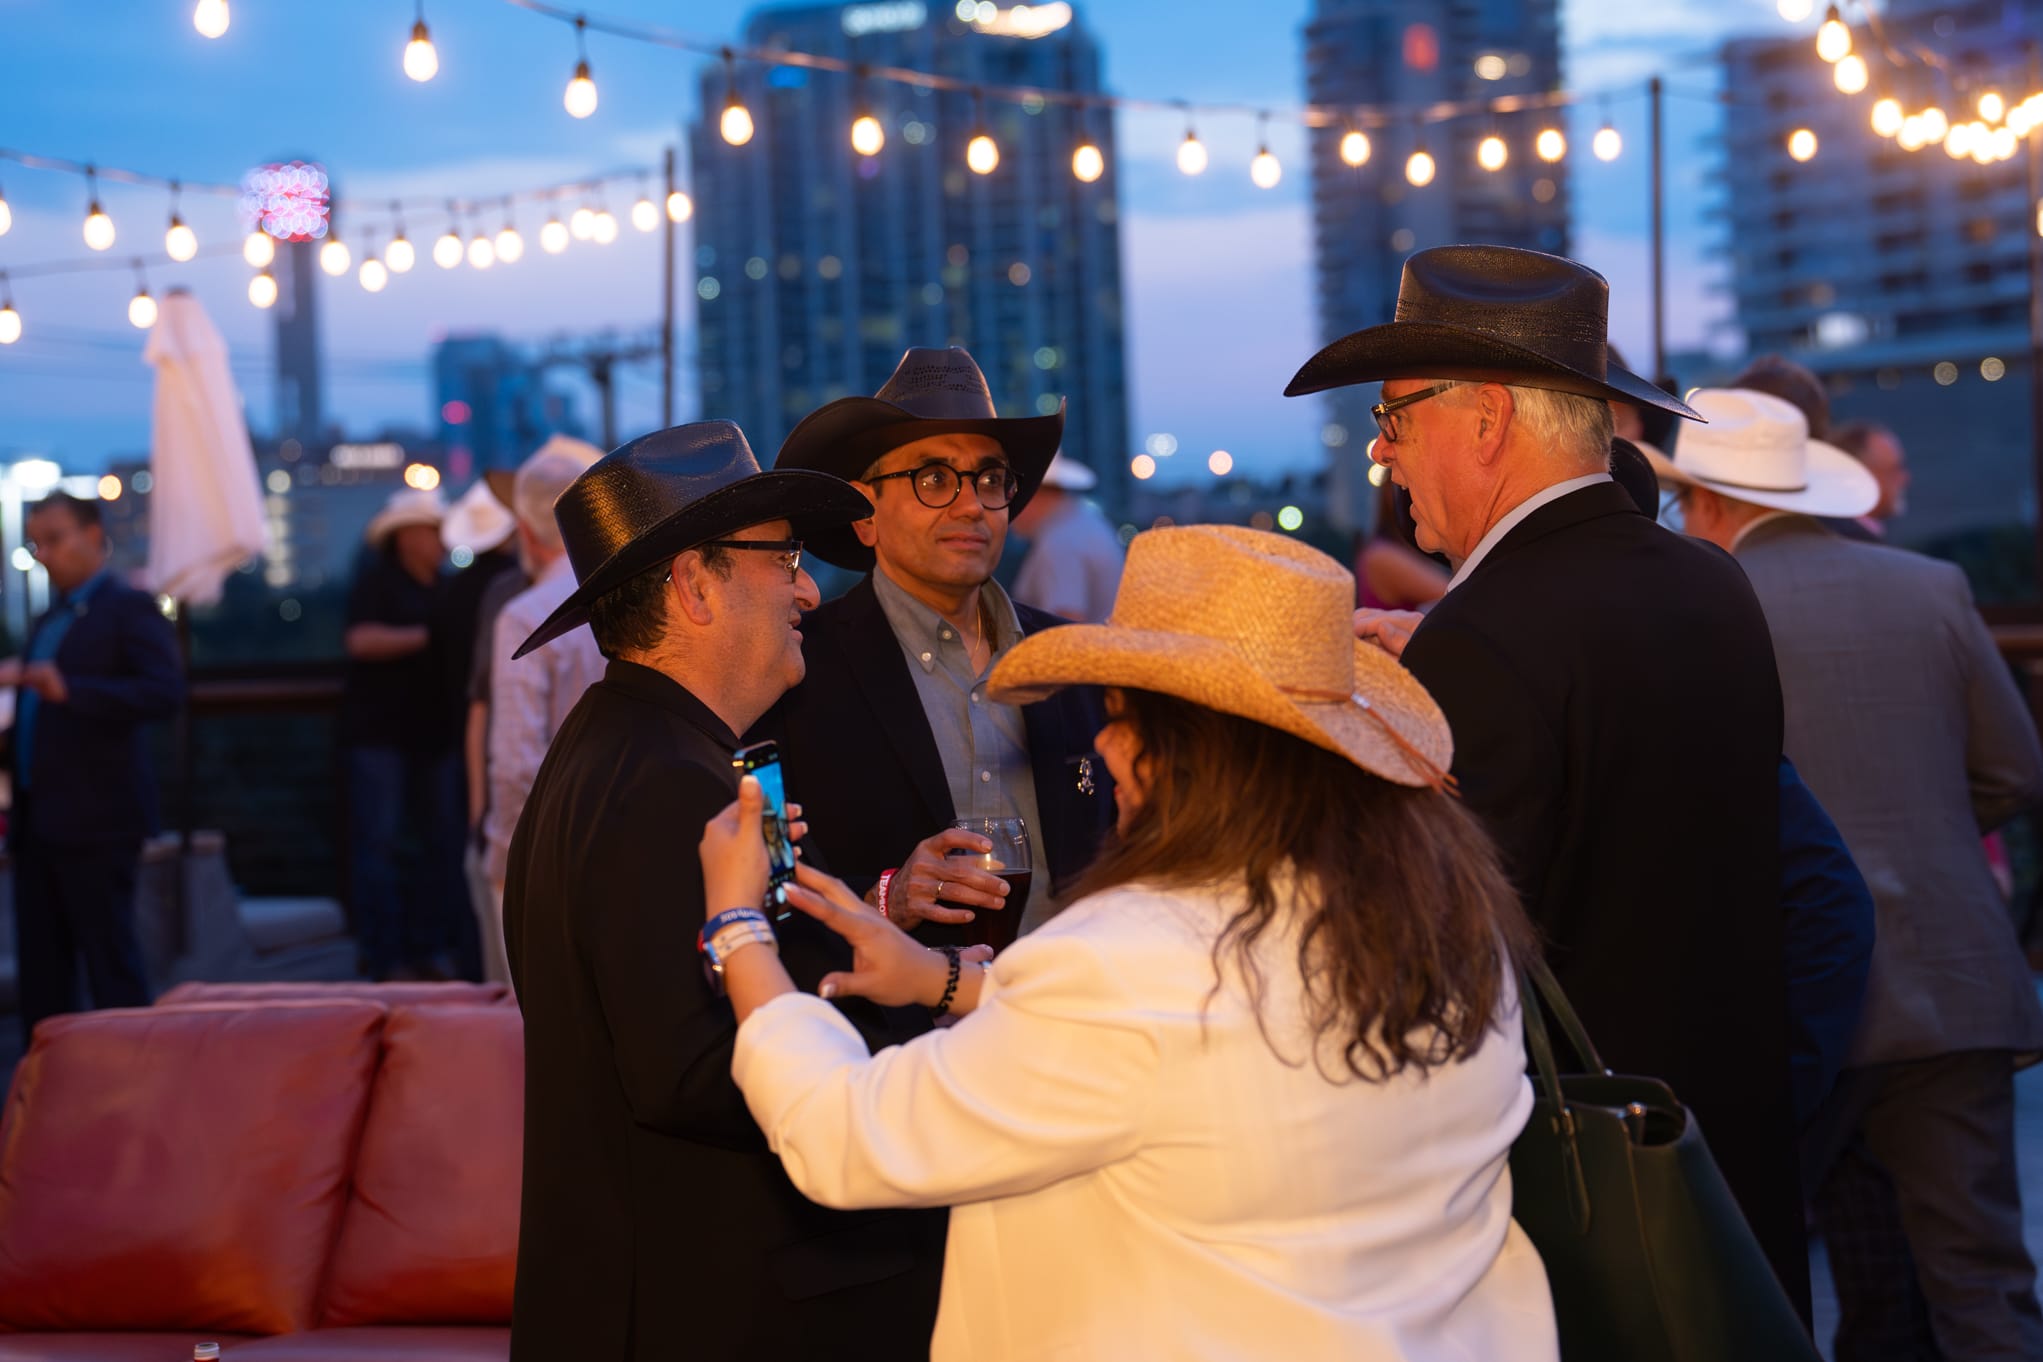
(1744, 486)
(1435, 777)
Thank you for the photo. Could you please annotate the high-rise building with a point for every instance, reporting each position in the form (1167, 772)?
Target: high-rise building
(1901, 278)
(818, 266)
(300, 406)
(494, 404)
(1409, 54)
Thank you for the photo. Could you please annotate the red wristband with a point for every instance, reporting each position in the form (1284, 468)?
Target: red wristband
(886, 878)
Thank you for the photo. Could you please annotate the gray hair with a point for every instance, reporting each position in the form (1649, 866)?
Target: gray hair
(540, 481)
(1566, 425)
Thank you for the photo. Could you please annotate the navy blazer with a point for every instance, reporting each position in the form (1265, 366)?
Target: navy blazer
(92, 779)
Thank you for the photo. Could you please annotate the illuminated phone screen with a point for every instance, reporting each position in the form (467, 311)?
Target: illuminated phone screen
(780, 854)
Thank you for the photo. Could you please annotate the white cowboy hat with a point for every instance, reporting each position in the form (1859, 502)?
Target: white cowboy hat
(1249, 623)
(1069, 475)
(1756, 448)
(407, 506)
(478, 520)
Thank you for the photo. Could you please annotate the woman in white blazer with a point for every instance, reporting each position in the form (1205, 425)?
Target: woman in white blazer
(1251, 1095)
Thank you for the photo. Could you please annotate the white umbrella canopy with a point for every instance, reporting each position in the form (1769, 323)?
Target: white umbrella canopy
(205, 509)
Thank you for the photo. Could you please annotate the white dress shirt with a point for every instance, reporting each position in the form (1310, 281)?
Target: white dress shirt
(1136, 1173)
(1517, 514)
(529, 699)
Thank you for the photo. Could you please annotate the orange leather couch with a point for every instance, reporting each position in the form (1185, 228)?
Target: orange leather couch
(300, 1173)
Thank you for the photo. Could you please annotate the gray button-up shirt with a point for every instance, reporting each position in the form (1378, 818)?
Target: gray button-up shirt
(984, 746)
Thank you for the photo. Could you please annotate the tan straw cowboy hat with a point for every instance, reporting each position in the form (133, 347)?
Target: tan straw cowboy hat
(1248, 623)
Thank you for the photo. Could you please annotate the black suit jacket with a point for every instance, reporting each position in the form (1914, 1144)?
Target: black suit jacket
(862, 763)
(92, 779)
(1617, 724)
(656, 1224)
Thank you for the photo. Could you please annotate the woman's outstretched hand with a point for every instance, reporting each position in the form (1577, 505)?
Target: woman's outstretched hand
(887, 965)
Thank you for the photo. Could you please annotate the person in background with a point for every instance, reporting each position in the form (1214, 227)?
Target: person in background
(529, 699)
(1903, 719)
(1074, 560)
(1879, 449)
(403, 757)
(1390, 572)
(1251, 1093)
(100, 665)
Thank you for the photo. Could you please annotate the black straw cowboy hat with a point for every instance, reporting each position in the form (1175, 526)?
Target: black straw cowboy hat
(932, 392)
(1490, 314)
(645, 502)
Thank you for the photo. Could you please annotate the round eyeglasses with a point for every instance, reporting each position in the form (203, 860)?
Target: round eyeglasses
(937, 484)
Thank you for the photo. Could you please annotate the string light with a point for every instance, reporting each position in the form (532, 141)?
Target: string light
(680, 207)
(373, 275)
(210, 18)
(141, 307)
(604, 228)
(259, 248)
(334, 257)
(1264, 171)
(1795, 11)
(1355, 147)
(736, 123)
(262, 290)
(582, 223)
(510, 244)
(1992, 107)
(1191, 152)
(867, 136)
(981, 154)
(580, 96)
(1958, 142)
(1801, 144)
(1911, 137)
(644, 215)
(180, 243)
(1419, 168)
(1850, 73)
(1887, 116)
(400, 256)
(1833, 39)
(1607, 144)
(1551, 144)
(6, 215)
(10, 320)
(421, 62)
(1934, 124)
(2004, 142)
(553, 237)
(1492, 153)
(99, 228)
(482, 252)
(447, 249)
(1088, 162)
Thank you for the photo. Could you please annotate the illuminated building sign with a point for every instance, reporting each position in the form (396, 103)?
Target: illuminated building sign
(1015, 21)
(386, 455)
(291, 202)
(859, 20)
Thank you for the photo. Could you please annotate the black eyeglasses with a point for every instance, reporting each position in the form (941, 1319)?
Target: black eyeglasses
(790, 550)
(937, 484)
(1386, 413)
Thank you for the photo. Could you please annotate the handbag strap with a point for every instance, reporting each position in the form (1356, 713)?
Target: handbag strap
(1549, 991)
(1566, 1131)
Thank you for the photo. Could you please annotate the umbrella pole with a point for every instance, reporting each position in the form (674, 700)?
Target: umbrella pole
(186, 780)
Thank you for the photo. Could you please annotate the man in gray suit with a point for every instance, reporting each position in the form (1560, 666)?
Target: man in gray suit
(1904, 721)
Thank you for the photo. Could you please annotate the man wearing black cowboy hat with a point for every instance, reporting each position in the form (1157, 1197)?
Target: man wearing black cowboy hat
(1611, 686)
(655, 1223)
(893, 736)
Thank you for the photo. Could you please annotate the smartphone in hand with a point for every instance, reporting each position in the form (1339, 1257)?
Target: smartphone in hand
(762, 760)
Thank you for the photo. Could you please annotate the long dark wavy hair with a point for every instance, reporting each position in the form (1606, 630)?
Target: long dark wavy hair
(1406, 926)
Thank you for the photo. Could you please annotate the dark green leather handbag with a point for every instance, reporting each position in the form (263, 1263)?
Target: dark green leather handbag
(1647, 1253)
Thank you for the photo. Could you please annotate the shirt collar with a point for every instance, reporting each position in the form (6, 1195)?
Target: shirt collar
(656, 687)
(1516, 516)
(920, 630)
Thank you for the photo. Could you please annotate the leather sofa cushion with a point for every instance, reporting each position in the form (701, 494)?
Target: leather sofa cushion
(92, 1347)
(430, 1235)
(381, 1345)
(390, 995)
(184, 1167)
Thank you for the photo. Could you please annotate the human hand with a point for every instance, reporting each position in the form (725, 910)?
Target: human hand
(1389, 630)
(887, 965)
(45, 680)
(930, 873)
(733, 853)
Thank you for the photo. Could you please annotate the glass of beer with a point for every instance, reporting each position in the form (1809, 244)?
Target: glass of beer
(1012, 861)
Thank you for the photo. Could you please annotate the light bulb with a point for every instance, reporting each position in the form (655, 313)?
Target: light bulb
(982, 155)
(142, 311)
(180, 243)
(1934, 124)
(334, 257)
(1264, 170)
(604, 229)
(259, 248)
(1958, 141)
(2004, 142)
(210, 18)
(1833, 40)
(1551, 144)
(1911, 137)
(1795, 11)
(1355, 147)
(736, 124)
(481, 252)
(644, 216)
(373, 275)
(447, 251)
(1192, 154)
(10, 324)
(2020, 121)
(6, 215)
(421, 62)
(1419, 168)
(867, 136)
(262, 290)
(1606, 144)
(1801, 144)
(580, 97)
(2039, 232)
(1850, 73)
(582, 222)
(510, 245)
(99, 228)
(400, 257)
(680, 207)
(1088, 163)
(1491, 153)
(1992, 107)
(553, 237)
(1887, 116)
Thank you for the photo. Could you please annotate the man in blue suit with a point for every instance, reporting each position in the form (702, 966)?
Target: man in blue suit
(100, 663)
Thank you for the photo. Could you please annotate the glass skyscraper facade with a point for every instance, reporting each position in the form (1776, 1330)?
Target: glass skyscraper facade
(816, 267)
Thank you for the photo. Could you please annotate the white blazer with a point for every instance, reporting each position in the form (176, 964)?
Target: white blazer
(1136, 1173)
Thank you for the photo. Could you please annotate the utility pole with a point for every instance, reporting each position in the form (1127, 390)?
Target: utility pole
(667, 300)
(1654, 92)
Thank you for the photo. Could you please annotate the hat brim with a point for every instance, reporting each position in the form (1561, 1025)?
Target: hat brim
(1440, 350)
(1837, 484)
(502, 484)
(813, 503)
(387, 523)
(1208, 672)
(846, 437)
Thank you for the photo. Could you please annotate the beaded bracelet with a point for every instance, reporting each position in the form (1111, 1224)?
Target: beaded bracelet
(950, 985)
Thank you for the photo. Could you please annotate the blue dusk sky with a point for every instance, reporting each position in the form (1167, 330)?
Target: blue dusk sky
(1218, 273)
